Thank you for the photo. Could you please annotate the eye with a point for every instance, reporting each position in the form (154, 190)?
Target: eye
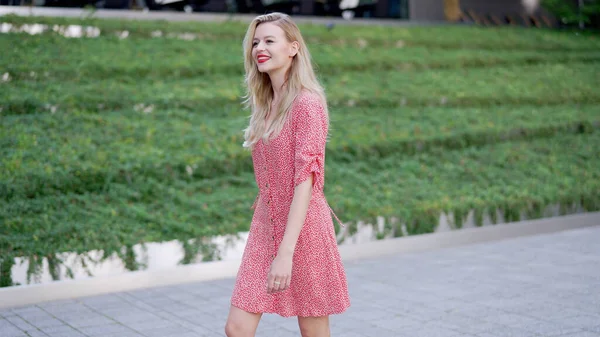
(254, 44)
(269, 41)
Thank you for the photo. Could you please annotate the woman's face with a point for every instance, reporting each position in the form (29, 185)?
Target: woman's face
(271, 51)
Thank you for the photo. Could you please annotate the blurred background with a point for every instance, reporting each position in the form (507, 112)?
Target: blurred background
(120, 138)
(480, 11)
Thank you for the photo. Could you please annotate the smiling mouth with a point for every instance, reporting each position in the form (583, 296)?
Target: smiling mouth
(262, 59)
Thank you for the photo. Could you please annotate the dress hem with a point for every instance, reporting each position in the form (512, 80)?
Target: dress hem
(312, 314)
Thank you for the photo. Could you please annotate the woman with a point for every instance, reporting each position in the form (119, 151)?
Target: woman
(291, 264)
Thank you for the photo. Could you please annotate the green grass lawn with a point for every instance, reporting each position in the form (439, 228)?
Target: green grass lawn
(106, 142)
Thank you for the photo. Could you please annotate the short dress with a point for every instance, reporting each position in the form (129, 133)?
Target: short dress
(318, 282)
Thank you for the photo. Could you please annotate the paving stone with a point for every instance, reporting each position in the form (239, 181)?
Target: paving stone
(277, 333)
(53, 330)
(549, 329)
(28, 310)
(101, 330)
(73, 333)
(38, 333)
(194, 334)
(376, 331)
(20, 323)
(190, 325)
(4, 323)
(547, 311)
(353, 334)
(124, 334)
(10, 331)
(208, 291)
(477, 329)
(46, 322)
(349, 325)
(505, 331)
(79, 317)
(95, 321)
(227, 284)
(126, 316)
(513, 320)
(101, 299)
(595, 329)
(465, 324)
(426, 331)
(47, 305)
(581, 321)
(173, 330)
(192, 314)
(395, 323)
(176, 307)
(36, 316)
(582, 334)
(147, 325)
(479, 311)
(68, 308)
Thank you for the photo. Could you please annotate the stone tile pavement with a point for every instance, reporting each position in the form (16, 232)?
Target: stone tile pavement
(544, 285)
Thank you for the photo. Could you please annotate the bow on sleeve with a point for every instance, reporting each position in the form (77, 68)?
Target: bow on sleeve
(310, 132)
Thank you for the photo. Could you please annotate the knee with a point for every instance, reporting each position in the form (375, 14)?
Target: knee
(314, 327)
(241, 323)
(309, 330)
(233, 329)
(306, 331)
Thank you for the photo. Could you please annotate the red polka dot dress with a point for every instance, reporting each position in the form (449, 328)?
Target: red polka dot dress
(318, 286)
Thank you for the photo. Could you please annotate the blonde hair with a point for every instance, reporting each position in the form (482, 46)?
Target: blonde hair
(259, 90)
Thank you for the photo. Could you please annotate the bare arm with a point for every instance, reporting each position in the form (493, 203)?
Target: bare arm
(296, 217)
(280, 275)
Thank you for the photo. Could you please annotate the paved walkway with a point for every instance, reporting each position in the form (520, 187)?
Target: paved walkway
(544, 285)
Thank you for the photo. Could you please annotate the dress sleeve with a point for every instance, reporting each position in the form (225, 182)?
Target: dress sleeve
(310, 136)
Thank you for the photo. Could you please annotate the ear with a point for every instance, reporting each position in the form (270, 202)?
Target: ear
(294, 47)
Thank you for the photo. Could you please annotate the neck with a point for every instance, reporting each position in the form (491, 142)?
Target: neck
(277, 81)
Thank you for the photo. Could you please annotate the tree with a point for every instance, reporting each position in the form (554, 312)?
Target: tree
(575, 12)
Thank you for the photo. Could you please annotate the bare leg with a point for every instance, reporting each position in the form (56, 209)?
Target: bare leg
(314, 326)
(241, 323)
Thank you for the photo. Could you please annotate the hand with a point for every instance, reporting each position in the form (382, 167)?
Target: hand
(280, 275)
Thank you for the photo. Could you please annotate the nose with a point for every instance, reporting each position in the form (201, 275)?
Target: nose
(260, 46)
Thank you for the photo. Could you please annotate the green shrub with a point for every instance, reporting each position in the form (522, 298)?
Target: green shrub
(570, 13)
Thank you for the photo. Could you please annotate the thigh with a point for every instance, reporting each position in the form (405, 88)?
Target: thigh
(242, 323)
(314, 326)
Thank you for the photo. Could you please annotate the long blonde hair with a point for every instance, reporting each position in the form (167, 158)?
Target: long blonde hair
(259, 90)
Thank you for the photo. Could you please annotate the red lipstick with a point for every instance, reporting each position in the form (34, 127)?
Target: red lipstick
(261, 58)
